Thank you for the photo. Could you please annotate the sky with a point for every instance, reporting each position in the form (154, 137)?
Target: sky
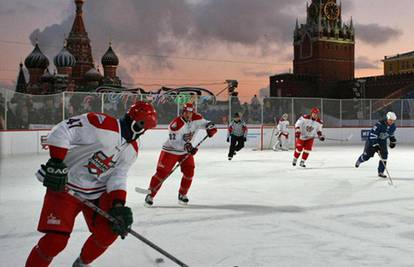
(196, 42)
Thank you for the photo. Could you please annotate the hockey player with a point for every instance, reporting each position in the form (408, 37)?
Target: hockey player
(377, 142)
(306, 129)
(236, 135)
(178, 148)
(282, 134)
(90, 154)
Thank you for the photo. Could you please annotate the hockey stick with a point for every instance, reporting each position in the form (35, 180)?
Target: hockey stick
(390, 182)
(132, 232)
(147, 191)
(340, 140)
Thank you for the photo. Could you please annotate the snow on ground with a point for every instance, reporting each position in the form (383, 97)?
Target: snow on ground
(256, 210)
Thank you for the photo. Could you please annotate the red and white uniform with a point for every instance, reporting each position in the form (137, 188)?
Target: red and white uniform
(97, 158)
(173, 151)
(283, 134)
(89, 145)
(308, 129)
(182, 132)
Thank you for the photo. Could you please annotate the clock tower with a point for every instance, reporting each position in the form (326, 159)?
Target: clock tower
(324, 47)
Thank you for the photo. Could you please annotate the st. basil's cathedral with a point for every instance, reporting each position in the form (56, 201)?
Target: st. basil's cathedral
(75, 70)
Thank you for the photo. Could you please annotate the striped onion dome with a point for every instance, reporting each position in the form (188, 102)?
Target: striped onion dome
(36, 59)
(93, 75)
(110, 58)
(64, 59)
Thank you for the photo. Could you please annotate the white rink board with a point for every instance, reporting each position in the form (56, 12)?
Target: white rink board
(28, 142)
(256, 210)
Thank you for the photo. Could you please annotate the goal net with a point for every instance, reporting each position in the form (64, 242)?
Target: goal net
(268, 137)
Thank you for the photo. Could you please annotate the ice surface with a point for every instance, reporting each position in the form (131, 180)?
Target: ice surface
(256, 210)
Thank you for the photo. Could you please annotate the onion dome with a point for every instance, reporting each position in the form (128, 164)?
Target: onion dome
(93, 75)
(110, 58)
(36, 59)
(64, 58)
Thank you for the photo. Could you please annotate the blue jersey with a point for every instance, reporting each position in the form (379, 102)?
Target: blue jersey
(381, 132)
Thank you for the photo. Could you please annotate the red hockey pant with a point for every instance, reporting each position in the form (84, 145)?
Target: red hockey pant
(304, 146)
(56, 221)
(166, 163)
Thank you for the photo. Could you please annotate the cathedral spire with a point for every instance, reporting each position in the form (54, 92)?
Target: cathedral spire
(79, 45)
(21, 84)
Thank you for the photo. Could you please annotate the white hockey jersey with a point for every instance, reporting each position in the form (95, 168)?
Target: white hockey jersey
(98, 157)
(182, 132)
(282, 127)
(308, 127)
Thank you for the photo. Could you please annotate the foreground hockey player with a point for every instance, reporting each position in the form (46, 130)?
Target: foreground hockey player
(236, 135)
(377, 142)
(282, 134)
(307, 128)
(90, 154)
(178, 148)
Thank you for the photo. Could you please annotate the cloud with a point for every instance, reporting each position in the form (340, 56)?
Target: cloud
(375, 34)
(363, 62)
(257, 73)
(171, 27)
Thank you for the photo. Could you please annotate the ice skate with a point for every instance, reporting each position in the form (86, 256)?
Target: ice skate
(295, 160)
(78, 263)
(182, 199)
(230, 158)
(148, 201)
(302, 164)
(382, 175)
(357, 163)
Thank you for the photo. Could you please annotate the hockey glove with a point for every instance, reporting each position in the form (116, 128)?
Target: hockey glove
(297, 134)
(393, 142)
(211, 129)
(55, 174)
(124, 220)
(190, 149)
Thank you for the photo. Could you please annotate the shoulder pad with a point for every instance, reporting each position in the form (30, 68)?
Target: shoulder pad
(103, 121)
(320, 121)
(196, 117)
(176, 124)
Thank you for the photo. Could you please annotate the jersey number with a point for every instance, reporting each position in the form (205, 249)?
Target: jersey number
(172, 136)
(74, 123)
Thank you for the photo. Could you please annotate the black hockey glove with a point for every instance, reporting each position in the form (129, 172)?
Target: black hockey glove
(55, 174)
(321, 138)
(190, 149)
(124, 220)
(393, 142)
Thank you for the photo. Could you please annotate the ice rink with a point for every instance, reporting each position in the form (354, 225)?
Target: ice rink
(256, 210)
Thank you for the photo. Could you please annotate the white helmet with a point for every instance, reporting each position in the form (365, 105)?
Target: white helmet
(285, 116)
(391, 116)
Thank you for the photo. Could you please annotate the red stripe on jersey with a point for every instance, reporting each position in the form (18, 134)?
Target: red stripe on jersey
(135, 146)
(86, 189)
(103, 121)
(57, 152)
(176, 124)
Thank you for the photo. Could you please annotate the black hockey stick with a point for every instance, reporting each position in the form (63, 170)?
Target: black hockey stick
(132, 232)
(390, 182)
(147, 191)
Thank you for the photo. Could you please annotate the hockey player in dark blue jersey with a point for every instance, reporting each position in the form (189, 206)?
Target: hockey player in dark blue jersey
(377, 142)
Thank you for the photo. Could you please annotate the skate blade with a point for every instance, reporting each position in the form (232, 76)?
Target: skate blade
(147, 205)
(182, 203)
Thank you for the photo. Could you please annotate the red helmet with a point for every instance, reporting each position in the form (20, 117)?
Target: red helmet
(315, 110)
(188, 107)
(143, 114)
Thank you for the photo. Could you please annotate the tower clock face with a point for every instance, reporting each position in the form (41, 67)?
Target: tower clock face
(331, 10)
